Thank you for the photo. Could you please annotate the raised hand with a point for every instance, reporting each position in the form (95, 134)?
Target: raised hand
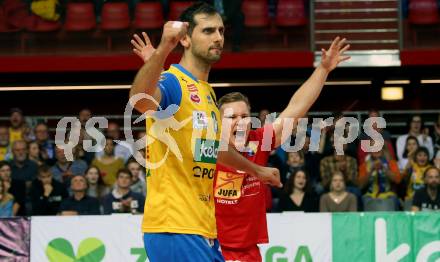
(173, 32)
(142, 47)
(335, 54)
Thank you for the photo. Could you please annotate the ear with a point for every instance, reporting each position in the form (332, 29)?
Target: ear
(185, 41)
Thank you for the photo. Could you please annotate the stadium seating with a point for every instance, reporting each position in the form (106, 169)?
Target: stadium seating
(290, 13)
(256, 13)
(148, 15)
(176, 9)
(422, 15)
(80, 17)
(114, 17)
(423, 12)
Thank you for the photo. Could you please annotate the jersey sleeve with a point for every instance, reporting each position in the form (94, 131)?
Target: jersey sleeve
(170, 90)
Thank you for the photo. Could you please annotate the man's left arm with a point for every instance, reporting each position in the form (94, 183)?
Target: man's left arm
(232, 158)
(307, 94)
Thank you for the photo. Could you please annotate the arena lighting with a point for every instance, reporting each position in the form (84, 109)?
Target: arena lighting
(392, 93)
(430, 81)
(397, 82)
(217, 85)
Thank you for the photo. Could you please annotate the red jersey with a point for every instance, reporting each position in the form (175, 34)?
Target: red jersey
(240, 199)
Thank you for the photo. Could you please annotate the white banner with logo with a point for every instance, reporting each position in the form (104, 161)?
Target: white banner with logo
(293, 237)
(296, 236)
(90, 238)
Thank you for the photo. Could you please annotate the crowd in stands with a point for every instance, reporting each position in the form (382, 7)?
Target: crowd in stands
(362, 181)
(37, 179)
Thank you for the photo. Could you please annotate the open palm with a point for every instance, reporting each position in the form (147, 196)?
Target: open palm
(142, 48)
(335, 54)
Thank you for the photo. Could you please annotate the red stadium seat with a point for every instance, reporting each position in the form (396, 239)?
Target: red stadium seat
(38, 24)
(148, 15)
(423, 12)
(256, 13)
(115, 16)
(15, 14)
(177, 8)
(3, 20)
(80, 17)
(291, 13)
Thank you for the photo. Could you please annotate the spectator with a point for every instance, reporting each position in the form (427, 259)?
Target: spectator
(17, 188)
(411, 146)
(343, 163)
(109, 164)
(413, 174)
(385, 135)
(23, 168)
(84, 116)
(297, 196)
(34, 153)
(79, 203)
(96, 188)
(338, 199)
(46, 193)
(5, 149)
(427, 198)
(122, 199)
(47, 148)
(295, 162)
(376, 175)
(415, 129)
(79, 150)
(138, 177)
(8, 206)
(122, 149)
(63, 170)
(19, 130)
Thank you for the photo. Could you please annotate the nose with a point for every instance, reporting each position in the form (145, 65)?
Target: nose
(218, 36)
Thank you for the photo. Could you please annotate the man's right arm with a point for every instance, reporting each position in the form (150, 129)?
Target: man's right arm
(148, 76)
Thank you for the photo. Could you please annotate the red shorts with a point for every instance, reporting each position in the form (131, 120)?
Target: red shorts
(251, 254)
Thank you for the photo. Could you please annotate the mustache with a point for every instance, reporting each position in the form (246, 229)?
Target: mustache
(216, 47)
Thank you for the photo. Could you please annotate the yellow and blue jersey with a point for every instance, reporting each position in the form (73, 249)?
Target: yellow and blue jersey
(182, 146)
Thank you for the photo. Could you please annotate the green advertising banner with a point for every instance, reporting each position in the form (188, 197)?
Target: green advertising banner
(400, 236)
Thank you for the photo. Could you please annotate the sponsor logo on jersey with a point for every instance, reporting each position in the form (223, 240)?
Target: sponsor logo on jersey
(228, 185)
(206, 151)
(200, 120)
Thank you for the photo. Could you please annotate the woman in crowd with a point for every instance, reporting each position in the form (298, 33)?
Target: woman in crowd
(8, 207)
(34, 153)
(109, 164)
(413, 174)
(17, 188)
(297, 195)
(338, 199)
(411, 146)
(96, 187)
